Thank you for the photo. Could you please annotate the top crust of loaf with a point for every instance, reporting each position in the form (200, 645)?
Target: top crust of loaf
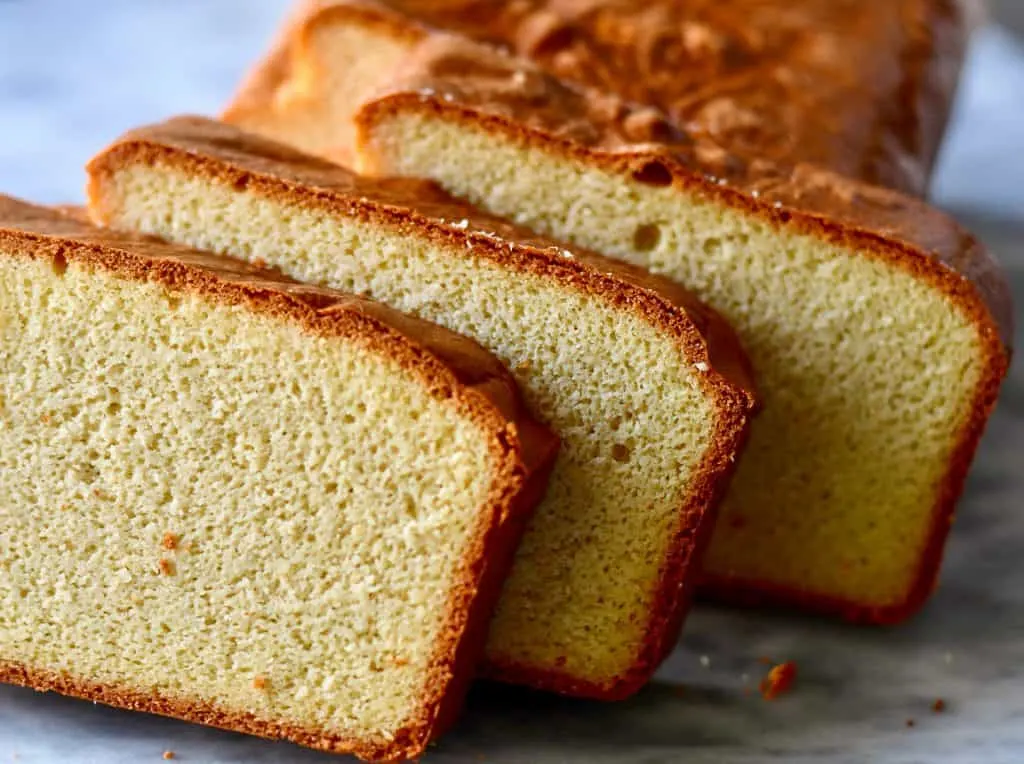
(763, 79)
(227, 154)
(483, 87)
(453, 368)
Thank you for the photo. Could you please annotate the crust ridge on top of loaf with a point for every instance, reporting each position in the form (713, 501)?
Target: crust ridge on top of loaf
(75, 257)
(450, 74)
(863, 89)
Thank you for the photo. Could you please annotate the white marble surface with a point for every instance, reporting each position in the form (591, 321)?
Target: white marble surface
(74, 74)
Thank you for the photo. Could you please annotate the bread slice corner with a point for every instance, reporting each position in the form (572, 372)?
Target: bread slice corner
(237, 500)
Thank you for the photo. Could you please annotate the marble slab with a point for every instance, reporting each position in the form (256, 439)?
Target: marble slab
(74, 74)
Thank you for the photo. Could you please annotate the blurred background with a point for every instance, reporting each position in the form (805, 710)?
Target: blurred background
(1010, 12)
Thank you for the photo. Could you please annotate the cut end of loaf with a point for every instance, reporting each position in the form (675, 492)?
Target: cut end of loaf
(649, 431)
(307, 89)
(877, 368)
(216, 514)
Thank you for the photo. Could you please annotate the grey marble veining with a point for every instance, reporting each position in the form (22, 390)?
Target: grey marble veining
(74, 74)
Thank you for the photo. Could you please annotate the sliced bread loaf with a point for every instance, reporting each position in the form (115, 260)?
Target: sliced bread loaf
(244, 502)
(879, 329)
(647, 389)
(860, 87)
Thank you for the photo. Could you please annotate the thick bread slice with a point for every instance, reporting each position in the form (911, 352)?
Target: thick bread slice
(879, 329)
(648, 390)
(862, 87)
(245, 502)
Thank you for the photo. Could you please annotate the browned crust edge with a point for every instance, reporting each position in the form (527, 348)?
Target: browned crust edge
(931, 75)
(256, 97)
(727, 381)
(967, 276)
(204, 713)
(257, 89)
(513, 493)
(931, 62)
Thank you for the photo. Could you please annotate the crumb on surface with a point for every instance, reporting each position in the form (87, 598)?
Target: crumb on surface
(705, 661)
(939, 705)
(166, 567)
(910, 722)
(259, 682)
(168, 754)
(170, 541)
(778, 681)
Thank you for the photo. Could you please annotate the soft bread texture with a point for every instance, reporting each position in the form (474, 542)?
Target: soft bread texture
(862, 87)
(648, 390)
(879, 330)
(245, 502)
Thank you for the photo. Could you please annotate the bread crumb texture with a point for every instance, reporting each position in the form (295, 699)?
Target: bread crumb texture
(332, 494)
(633, 416)
(779, 680)
(867, 374)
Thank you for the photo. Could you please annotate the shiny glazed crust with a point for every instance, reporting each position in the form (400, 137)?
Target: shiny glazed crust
(862, 88)
(451, 367)
(508, 97)
(227, 155)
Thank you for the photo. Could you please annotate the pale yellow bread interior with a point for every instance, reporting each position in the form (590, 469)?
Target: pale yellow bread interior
(869, 373)
(223, 510)
(637, 421)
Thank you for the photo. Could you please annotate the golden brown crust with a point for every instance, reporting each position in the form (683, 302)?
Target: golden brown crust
(205, 713)
(509, 96)
(451, 74)
(242, 160)
(271, 73)
(454, 369)
(866, 221)
(861, 88)
(229, 156)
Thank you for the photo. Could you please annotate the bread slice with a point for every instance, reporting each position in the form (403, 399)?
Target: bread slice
(648, 390)
(879, 329)
(861, 88)
(244, 502)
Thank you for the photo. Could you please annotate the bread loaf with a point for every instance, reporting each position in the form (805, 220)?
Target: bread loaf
(648, 390)
(244, 502)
